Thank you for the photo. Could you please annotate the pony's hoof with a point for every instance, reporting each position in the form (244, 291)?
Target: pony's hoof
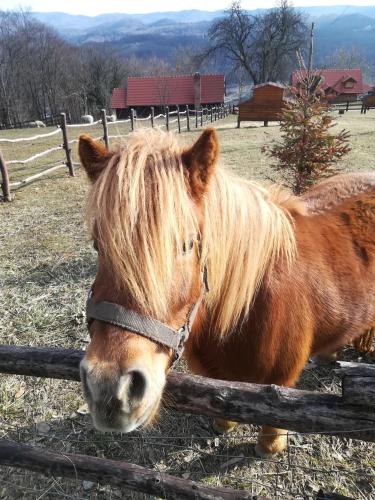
(223, 426)
(268, 448)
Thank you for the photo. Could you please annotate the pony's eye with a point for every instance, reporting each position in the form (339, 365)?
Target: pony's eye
(187, 248)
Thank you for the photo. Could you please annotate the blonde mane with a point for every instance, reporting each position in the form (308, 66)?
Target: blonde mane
(141, 213)
(248, 229)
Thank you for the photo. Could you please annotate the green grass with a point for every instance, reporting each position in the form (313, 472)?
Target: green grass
(46, 267)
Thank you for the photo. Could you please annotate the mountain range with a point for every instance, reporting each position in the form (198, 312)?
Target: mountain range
(155, 34)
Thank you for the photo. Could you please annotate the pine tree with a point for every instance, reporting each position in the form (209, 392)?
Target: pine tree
(307, 152)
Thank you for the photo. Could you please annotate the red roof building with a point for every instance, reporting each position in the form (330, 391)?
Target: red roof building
(161, 91)
(339, 85)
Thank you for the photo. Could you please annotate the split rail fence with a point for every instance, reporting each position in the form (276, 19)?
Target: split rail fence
(178, 120)
(351, 415)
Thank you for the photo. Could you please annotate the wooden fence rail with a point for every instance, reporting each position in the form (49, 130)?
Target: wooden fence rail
(66, 143)
(297, 410)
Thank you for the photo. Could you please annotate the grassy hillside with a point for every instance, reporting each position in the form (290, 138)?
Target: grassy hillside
(46, 266)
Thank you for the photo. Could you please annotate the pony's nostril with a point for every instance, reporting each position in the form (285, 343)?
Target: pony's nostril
(137, 387)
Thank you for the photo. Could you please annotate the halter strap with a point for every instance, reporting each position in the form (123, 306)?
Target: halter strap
(150, 328)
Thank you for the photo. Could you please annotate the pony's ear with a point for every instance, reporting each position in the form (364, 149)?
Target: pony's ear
(200, 161)
(94, 157)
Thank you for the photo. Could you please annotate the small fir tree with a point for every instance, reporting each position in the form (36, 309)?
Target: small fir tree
(307, 152)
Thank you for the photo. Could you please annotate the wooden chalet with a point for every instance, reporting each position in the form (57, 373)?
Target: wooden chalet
(265, 104)
(339, 85)
(160, 91)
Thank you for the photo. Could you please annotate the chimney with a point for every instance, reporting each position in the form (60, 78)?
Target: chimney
(197, 91)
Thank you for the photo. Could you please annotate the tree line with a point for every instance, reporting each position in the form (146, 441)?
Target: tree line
(42, 75)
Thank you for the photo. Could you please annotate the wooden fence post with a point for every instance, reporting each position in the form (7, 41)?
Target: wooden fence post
(167, 117)
(187, 119)
(178, 120)
(201, 117)
(132, 119)
(347, 105)
(68, 151)
(105, 128)
(5, 179)
(211, 114)
(152, 116)
(196, 118)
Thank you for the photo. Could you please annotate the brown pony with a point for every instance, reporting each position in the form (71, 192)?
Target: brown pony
(286, 280)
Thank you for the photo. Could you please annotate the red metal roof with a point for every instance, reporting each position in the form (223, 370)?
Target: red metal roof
(335, 78)
(118, 98)
(168, 90)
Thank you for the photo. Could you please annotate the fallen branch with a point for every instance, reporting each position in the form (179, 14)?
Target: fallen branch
(115, 473)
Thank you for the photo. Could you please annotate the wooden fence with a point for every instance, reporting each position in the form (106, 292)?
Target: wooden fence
(351, 106)
(178, 120)
(351, 414)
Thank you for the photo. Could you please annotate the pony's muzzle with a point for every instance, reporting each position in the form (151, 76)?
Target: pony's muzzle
(115, 400)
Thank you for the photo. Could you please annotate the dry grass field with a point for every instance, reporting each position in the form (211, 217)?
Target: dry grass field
(46, 267)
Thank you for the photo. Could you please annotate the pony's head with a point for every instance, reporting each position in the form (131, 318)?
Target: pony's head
(146, 213)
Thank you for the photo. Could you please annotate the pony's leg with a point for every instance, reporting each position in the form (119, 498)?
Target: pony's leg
(222, 426)
(219, 425)
(271, 441)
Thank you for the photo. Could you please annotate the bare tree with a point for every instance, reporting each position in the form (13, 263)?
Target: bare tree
(350, 58)
(263, 45)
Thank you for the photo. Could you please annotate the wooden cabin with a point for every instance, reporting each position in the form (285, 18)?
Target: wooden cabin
(339, 85)
(265, 105)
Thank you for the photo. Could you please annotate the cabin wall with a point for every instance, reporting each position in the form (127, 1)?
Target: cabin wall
(265, 105)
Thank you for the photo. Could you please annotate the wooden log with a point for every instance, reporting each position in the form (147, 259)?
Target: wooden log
(115, 473)
(293, 409)
(359, 390)
(105, 128)
(211, 114)
(132, 116)
(5, 186)
(68, 151)
(355, 369)
(325, 495)
(152, 116)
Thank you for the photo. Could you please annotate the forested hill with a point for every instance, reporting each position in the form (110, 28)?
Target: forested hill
(156, 34)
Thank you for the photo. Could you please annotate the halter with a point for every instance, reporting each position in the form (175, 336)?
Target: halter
(151, 328)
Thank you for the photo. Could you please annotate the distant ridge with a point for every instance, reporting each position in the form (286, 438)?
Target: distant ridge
(158, 33)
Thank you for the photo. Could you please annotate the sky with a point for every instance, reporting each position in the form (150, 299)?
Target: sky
(91, 7)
